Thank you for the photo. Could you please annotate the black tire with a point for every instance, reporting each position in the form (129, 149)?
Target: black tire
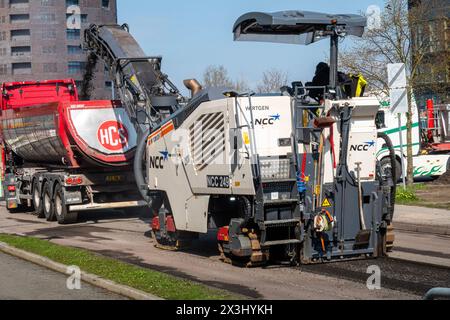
(37, 201)
(61, 209)
(47, 203)
(398, 170)
(386, 164)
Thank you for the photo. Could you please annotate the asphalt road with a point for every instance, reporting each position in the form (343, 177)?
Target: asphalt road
(425, 248)
(21, 280)
(127, 238)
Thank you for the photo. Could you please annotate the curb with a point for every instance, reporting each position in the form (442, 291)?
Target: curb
(91, 279)
(429, 229)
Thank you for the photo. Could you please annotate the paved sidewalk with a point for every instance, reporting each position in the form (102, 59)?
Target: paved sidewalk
(420, 219)
(21, 280)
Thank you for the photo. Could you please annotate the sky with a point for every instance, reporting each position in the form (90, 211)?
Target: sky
(191, 35)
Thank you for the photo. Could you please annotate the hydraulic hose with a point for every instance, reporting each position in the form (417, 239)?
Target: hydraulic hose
(393, 158)
(139, 173)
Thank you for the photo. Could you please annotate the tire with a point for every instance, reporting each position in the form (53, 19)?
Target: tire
(37, 201)
(386, 165)
(399, 170)
(47, 203)
(61, 209)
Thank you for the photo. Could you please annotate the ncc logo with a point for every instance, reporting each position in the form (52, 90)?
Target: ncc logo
(113, 135)
(157, 162)
(363, 147)
(268, 121)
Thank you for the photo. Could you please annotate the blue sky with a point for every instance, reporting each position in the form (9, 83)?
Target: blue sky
(190, 35)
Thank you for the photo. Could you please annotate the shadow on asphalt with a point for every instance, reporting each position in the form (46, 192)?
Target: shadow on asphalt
(132, 259)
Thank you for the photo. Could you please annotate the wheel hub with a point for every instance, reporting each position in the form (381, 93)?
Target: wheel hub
(47, 203)
(37, 199)
(58, 205)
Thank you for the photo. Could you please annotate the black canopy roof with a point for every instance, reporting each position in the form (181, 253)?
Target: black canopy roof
(296, 27)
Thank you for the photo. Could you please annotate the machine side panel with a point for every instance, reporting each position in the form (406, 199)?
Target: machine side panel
(273, 121)
(210, 153)
(167, 172)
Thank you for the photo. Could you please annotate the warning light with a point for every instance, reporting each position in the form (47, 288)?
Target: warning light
(74, 181)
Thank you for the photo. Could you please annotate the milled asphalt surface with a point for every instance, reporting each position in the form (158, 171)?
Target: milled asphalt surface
(127, 238)
(21, 280)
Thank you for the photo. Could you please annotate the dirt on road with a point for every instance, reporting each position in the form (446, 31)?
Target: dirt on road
(434, 195)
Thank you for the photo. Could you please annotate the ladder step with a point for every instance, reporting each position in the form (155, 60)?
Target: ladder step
(280, 242)
(281, 222)
(278, 180)
(280, 202)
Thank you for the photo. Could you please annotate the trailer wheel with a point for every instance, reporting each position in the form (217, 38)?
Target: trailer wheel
(61, 209)
(47, 203)
(37, 201)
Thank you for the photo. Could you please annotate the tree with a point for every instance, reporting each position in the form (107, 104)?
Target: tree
(272, 81)
(403, 36)
(241, 85)
(217, 76)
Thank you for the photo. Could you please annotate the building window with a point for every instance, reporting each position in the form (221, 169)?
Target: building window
(21, 68)
(3, 69)
(73, 34)
(20, 35)
(105, 4)
(49, 35)
(3, 36)
(21, 51)
(72, 3)
(48, 17)
(50, 68)
(3, 52)
(18, 4)
(74, 50)
(47, 3)
(49, 50)
(76, 67)
(19, 18)
(79, 84)
(83, 17)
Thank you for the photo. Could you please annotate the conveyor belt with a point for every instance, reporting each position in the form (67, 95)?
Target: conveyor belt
(142, 87)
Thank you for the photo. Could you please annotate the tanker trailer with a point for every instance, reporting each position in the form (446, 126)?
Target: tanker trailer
(62, 156)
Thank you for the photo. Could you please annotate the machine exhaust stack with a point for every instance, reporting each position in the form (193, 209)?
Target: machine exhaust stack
(193, 85)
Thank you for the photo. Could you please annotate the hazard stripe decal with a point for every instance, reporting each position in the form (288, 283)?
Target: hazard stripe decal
(160, 133)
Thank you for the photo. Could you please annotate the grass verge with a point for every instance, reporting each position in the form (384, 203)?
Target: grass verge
(153, 282)
(407, 196)
(419, 195)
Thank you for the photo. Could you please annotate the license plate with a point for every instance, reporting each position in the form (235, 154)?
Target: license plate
(218, 182)
(114, 179)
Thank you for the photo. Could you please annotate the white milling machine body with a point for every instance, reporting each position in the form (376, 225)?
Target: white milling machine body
(278, 182)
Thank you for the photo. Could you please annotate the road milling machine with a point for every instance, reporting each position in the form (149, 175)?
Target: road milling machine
(281, 178)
